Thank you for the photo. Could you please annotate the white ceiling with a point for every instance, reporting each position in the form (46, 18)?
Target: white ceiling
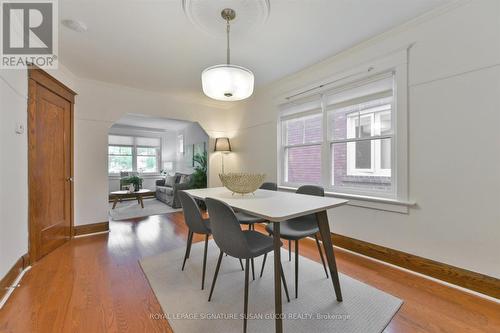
(152, 45)
(151, 123)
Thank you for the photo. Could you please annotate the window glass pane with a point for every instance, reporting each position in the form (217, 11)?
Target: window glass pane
(374, 116)
(302, 130)
(363, 152)
(303, 164)
(383, 121)
(147, 164)
(146, 151)
(294, 129)
(119, 163)
(362, 165)
(119, 150)
(365, 129)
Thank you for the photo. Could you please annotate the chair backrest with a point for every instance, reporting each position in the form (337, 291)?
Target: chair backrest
(226, 229)
(269, 186)
(311, 190)
(192, 214)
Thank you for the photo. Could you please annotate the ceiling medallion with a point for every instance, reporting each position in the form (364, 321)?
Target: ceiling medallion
(251, 14)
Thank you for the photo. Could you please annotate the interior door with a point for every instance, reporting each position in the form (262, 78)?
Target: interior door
(50, 164)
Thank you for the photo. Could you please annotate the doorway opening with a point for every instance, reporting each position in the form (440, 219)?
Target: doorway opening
(150, 159)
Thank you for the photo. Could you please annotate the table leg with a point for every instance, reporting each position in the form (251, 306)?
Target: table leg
(277, 278)
(140, 200)
(324, 229)
(115, 201)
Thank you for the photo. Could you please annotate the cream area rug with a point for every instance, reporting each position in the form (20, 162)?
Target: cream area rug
(131, 209)
(363, 310)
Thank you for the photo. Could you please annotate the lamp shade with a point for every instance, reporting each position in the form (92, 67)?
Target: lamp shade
(227, 82)
(222, 144)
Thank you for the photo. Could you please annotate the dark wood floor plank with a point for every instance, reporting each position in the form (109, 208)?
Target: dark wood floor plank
(95, 284)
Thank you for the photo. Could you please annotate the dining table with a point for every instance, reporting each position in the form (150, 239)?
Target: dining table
(276, 207)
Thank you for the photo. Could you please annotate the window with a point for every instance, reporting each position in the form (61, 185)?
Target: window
(344, 139)
(302, 146)
(120, 158)
(368, 156)
(129, 153)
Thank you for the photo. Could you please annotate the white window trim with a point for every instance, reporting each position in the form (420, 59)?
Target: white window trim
(134, 147)
(396, 62)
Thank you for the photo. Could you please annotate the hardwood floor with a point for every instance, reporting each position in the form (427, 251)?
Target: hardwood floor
(95, 284)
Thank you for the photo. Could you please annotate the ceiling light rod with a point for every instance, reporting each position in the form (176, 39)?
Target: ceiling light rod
(228, 14)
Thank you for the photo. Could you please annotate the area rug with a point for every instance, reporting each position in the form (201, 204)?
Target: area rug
(364, 309)
(131, 209)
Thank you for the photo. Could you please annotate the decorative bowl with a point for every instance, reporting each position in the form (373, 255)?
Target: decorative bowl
(242, 183)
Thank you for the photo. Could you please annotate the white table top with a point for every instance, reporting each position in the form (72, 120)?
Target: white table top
(271, 205)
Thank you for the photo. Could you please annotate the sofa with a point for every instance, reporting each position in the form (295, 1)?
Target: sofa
(167, 188)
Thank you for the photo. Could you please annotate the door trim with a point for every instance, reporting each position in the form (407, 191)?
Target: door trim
(37, 76)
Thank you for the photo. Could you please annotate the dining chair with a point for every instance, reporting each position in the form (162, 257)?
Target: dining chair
(251, 220)
(298, 228)
(196, 225)
(241, 244)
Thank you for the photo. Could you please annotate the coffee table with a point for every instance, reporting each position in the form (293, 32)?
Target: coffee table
(139, 195)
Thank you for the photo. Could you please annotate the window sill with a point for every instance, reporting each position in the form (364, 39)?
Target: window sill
(385, 204)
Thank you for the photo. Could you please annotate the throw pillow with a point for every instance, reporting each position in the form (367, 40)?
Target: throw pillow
(184, 179)
(170, 181)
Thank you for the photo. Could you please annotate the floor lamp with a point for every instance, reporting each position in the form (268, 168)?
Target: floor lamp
(223, 146)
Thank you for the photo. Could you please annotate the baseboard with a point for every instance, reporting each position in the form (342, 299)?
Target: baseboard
(85, 229)
(13, 273)
(478, 282)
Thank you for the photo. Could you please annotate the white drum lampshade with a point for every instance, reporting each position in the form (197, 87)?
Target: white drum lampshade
(227, 82)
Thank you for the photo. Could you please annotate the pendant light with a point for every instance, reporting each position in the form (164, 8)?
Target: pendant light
(227, 82)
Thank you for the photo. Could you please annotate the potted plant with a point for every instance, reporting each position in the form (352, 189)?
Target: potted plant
(200, 170)
(136, 181)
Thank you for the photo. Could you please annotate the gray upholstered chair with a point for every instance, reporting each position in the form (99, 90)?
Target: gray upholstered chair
(299, 228)
(251, 220)
(233, 241)
(196, 225)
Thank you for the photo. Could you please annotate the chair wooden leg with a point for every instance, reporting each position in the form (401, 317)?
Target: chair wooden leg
(263, 264)
(188, 249)
(241, 264)
(297, 268)
(289, 250)
(321, 255)
(253, 270)
(245, 307)
(284, 284)
(215, 276)
(190, 244)
(204, 263)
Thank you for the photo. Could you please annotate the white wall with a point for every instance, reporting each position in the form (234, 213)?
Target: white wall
(13, 168)
(454, 156)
